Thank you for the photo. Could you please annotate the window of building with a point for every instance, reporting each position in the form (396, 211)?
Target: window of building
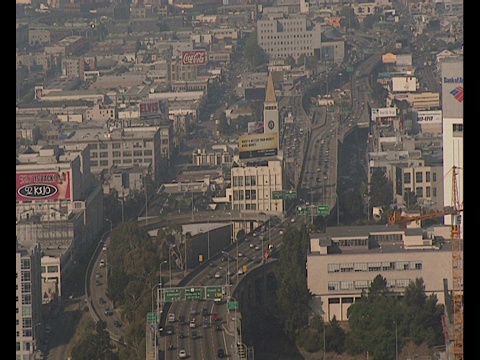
(104, 154)
(333, 268)
(127, 153)
(148, 153)
(357, 267)
(407, 178)
(93, 163)
(103, 146)
(93, 146)
(419, 177)
(346, 267)
(93, 155)
(52, 268)
(428, 191)
(427, 176)
(434, 176)
(127, 161)
(116, 154)
(419, 191)
(362, 284)
(333, 285)
(137, 153)
(347, 285)
(103, 162)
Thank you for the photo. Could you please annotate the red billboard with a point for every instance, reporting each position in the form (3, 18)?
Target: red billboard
(45, 185)
(194, 57)
(149, 108)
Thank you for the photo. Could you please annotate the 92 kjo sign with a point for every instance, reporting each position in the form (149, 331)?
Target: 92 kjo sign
(45, 185)
(194, 57)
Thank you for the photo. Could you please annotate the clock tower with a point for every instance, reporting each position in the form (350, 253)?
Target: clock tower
(270, 111)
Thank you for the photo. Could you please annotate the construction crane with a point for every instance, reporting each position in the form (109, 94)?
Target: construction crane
(399, 218)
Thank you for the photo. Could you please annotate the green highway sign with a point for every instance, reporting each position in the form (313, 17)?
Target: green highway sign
(290, 194)
(276, 195)
(302, 211)
(193, 293)
(172, 294)
(232, 305)
(323, 210)
(151, 318)
(213, 292)
(349, 69)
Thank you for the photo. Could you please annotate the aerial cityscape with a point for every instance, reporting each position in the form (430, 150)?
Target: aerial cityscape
(239, 179)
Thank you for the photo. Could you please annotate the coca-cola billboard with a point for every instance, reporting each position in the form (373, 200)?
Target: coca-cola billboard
(194, 57)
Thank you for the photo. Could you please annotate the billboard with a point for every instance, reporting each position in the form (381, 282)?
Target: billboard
(148, 108)
(153, 108)
(384, 112)
(429, 117)
(254, 127)
(194, 57)
(452, 89)
(44, 185)
(257, 145)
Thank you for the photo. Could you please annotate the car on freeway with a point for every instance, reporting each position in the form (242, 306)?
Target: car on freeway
(182, 354)
(257, 247)
(117, 324)
(193, 324)
(169, 330)
(98, 282)
(101, 300)
(108, 312)
(220, 353)
(171, 317)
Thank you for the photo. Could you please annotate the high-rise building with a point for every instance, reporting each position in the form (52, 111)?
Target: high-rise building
(29, 320)
(452, 107)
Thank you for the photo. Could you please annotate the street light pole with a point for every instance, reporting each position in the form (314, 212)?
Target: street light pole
(396, 341)
(106, 255)
(121, 202)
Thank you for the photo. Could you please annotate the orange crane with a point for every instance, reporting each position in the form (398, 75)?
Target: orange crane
(457, 258)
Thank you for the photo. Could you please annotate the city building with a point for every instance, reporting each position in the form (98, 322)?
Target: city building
(282, 36)
(29, 318)
(148, 147)
(343, 262)
(452, 106)
(59, 204)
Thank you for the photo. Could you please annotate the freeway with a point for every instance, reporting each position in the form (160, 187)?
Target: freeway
(215, 324)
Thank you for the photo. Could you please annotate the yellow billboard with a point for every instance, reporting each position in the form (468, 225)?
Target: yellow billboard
(257, 145)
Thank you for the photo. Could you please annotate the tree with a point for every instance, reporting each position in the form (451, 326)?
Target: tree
(381, 189)
(254, 54)
(293, 295)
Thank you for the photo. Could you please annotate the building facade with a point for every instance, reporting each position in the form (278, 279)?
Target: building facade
(344, 261)
(59, 204)
(29, 319)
